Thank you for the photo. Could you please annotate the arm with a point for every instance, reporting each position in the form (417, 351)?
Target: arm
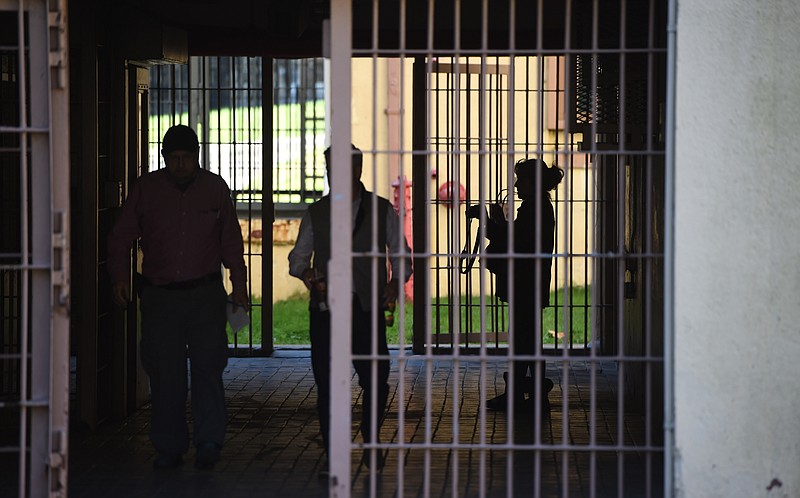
(126, 230)
(233, 251)
(396, 242)
(300, 256)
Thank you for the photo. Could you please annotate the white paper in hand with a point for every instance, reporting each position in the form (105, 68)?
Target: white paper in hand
(237, 316)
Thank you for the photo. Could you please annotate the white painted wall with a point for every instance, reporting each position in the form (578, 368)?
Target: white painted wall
(737, 258)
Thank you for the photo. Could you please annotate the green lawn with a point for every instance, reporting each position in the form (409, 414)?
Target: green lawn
(290, 320)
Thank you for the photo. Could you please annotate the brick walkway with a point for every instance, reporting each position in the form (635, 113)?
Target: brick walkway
(273, 448)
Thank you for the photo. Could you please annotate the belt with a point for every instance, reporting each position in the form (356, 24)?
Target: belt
(189, 284)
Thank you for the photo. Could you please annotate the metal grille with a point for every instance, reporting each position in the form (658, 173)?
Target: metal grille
(299, 130)
(34, 248)
(577, 84)
(460, 85)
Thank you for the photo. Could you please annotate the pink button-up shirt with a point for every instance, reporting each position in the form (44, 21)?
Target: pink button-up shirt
(185, 234)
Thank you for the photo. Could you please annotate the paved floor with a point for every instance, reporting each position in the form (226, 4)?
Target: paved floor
(273, 449)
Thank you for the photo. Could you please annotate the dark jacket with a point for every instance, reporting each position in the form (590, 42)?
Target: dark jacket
(320, 213)
(525, 228)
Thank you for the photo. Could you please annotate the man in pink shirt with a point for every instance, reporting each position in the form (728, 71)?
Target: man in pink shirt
(187, 228)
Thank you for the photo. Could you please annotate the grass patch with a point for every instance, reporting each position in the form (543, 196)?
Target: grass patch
(290, 319)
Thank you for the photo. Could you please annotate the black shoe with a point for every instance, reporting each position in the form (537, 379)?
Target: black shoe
(207, 456)
(167, 461)
(527, 384)
(500, 404)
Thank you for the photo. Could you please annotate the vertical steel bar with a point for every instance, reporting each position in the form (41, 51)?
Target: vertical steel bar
(669, 252)
(565, 381)
(624, 165)
(420, 118)
(267, 199)
(25, 283)
(423, 82)
(481, 232)
(649, 249)
(370, 451)
(456, 208)
(597, 162)
(40, 219)
(341, 244)
(60, 276)
(401, 201)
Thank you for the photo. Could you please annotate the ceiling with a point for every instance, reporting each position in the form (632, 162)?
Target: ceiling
(293, 28)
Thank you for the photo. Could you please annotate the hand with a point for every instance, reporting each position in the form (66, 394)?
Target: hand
(121, 291)
(240, 298)
(308, 277)
(391, 291)
(474, 211)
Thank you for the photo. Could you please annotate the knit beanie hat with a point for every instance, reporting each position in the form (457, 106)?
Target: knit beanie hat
(179, 137)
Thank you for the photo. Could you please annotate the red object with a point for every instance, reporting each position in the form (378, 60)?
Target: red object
(445, 194)
(407, 226)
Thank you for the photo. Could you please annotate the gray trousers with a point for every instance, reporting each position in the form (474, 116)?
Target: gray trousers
(177, 323)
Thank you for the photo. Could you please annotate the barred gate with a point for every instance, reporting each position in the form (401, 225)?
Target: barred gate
(34, 248)
(577, 84)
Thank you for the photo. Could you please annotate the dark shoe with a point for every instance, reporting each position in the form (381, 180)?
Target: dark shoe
(500, 404)
(527, 384)
(207, 456)
(167, 461)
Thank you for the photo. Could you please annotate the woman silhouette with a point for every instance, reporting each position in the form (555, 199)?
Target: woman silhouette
(535, 214)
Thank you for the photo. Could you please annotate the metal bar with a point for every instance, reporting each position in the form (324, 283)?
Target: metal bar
(60, 252)
(23, 129)
(420, 176)
(577, 448)
(669, 253)
(401, 181)
(268, 202)
(41, 219)
(423, 81)
(30, 403)
(341, 244)
(24, 290)
(373, 454)
(506, 52)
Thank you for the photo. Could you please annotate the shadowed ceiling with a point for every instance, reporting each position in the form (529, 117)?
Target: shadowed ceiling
(294, 28)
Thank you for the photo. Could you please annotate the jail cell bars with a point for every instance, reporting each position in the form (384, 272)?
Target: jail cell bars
(34, 251)
(581, 86)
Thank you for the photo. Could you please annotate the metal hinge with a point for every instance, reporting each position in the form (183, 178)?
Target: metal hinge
(60, 268)
(57, 27)
(57, 463)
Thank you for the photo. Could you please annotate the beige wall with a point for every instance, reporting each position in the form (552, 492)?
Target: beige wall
(737, 249)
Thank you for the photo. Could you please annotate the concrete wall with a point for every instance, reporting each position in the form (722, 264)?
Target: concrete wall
(737, 293)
